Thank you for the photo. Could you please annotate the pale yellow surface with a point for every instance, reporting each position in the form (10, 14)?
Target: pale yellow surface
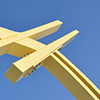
(71, 77)
(22, 47)
(28, 62)
(13, 70)
(20, 44)
(5, 33)
(35, 33)
(42, 54)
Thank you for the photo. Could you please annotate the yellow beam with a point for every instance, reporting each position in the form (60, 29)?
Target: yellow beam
(24, 47)
(67, 73)
(5, 33)
(36, 33)
(71, 77)
(27, 63)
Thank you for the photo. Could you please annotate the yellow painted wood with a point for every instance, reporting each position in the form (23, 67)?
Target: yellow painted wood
(35, 58)
(71, 77)
(40, 55)
(24, 47)
(68, 74)
(44, 30)
(5, 33)
(35, 33)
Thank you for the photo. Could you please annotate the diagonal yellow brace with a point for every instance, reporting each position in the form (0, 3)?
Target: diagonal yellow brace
(71, 77)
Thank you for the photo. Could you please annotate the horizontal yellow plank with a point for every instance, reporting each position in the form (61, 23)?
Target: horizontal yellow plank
(35, 33)
(5, 33)
(44, 29)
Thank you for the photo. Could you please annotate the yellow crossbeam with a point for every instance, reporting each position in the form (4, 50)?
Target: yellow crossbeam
(35, 33)
(24, 46)
(27, 63)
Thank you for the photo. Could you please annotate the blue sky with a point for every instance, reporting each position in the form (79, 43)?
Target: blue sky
(84, 51)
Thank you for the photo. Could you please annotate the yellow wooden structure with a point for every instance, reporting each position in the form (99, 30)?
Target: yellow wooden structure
(34, 54)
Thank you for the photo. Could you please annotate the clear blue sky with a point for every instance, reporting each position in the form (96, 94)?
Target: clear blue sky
(84, 51)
